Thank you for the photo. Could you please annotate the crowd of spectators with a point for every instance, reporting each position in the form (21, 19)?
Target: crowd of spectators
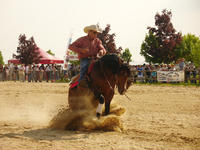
(31, 73)
(148, 72)
(72, 70)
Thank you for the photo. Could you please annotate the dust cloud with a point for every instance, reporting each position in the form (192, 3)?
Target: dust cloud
(85, 119)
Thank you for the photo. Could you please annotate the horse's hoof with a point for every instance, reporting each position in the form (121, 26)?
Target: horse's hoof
(98, 115)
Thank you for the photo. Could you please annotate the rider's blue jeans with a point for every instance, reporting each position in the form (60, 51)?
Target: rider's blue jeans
(84, 64)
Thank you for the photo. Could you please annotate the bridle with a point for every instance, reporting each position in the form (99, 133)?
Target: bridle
(107, 81)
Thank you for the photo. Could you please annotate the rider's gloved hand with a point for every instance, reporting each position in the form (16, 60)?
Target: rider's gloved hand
(101, 53)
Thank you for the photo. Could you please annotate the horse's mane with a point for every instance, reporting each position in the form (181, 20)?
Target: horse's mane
(112, 62)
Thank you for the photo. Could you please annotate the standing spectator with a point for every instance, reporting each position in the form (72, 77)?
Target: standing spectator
(11, 68)
(164, 67)
(134, 70)
(53, 73)
(63, 72)
(148, 73)
(193, 73)
(198, 72)
(22, 73)
(6, 72)
(154, 74)
(140, 70)
(133, 73)
(26, 73)
(172, 67)
(48, 72)
(177, 66)
(182, 64)
(56, 72)
(29, 73)
(41, 73)
(1, 72)
(187, 73)
(15, 72)
(73, 71)
(35, 72)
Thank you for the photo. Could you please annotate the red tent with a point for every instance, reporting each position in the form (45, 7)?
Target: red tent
(45, 59)
(48, 59)
(14, 61)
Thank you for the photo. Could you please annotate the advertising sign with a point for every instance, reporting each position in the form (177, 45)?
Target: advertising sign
(170, 76)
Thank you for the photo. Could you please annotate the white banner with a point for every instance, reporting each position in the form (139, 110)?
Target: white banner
(170, 76)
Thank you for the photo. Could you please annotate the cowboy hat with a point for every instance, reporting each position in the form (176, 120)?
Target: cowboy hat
(93, 28)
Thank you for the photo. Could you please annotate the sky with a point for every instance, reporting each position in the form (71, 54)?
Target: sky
(51, 22)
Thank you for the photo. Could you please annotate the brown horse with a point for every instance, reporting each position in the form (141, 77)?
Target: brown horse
(107, 73)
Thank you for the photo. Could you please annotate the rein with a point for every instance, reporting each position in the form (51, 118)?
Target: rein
(127, 97)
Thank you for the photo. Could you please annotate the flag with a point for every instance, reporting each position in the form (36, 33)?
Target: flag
(69, 55)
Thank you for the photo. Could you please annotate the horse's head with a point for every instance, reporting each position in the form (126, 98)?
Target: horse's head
(122, 78)
(116, 67)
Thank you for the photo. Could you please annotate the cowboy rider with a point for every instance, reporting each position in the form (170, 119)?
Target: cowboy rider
(88, 47)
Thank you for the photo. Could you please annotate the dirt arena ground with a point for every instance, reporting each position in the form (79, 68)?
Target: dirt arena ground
(157, 118)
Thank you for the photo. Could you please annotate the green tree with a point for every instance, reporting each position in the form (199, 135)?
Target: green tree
(126, 56)
(190, 49)
(148, 48)
(50, 52)
(75, 62)
(160, 44)
(196, 56)
(1, 58)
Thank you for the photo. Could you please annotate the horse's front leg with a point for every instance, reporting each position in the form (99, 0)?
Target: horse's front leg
(107, 107)
(108, 98)
(100, 105)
